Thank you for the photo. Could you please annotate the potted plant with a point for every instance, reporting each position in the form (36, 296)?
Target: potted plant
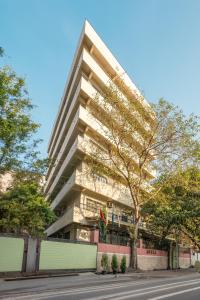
(104, 263)
(114, 264)
(123, 264)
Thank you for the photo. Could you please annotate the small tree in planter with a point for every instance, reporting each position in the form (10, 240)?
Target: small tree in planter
(123, 264)
(114, 264)
(104, 263)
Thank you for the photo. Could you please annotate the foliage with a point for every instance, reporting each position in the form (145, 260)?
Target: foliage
(104, 262)
(135, 136)
(177, 143)
(34, 173)
(175, 211)
(114, 263)
(18, 150)
(123, 264)
(24, 210)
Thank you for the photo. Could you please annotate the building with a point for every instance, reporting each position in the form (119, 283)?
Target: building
(77, 197)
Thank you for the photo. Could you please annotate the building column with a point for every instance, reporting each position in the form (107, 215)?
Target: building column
(94, 237)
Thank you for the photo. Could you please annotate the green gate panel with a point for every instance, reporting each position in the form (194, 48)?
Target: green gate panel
(59, 255)
(11, 254)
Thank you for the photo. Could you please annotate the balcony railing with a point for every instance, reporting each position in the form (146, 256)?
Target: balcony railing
(120, 219)
(92, 211)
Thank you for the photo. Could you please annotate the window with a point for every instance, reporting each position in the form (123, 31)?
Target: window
(93, 206)
(124, 218)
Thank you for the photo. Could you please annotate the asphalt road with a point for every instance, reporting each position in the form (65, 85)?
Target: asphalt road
(93, 287)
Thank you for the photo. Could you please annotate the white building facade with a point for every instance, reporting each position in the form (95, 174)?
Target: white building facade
(73, 194)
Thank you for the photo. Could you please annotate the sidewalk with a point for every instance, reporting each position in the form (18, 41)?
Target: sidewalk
(131, 274)
(155, 274)
(163, 273)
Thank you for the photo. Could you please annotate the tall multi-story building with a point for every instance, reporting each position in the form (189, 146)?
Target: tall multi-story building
(76, 196)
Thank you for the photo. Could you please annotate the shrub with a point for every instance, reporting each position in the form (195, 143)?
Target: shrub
(123, 264)
(114, 264)
(104, 262)
(197, 266)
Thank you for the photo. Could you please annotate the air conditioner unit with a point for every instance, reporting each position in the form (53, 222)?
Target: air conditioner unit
(109, 204)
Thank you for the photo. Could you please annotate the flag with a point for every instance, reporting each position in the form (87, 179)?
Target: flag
(102, 216)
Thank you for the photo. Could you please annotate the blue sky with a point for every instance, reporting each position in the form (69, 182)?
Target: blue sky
(156, 41)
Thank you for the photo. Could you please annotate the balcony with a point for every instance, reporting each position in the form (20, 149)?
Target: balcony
(110, 189)
(112, 65)
(113, 191)
(70, 159)
(92, 212)
(104, 80)
(96, 127)
(64, 190)
(63, 221)
(86, 61)
(109, 64)
(83, 116)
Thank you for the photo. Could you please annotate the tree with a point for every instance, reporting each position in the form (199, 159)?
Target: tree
(175, 211)
(104, 262)
(114, 263)
(23, 210)
(18, 150)
(123, 264)
(130, 138)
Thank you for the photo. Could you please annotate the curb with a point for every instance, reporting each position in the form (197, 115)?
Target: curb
(39, 276)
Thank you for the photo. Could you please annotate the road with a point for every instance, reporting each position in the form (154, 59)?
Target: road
(94, 287)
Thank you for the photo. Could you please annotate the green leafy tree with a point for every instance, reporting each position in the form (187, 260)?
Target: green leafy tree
(104, 262)
(114, 264)
(132, 138)
(18, 149)
(23, 210)
(123, 264)
(175, 211)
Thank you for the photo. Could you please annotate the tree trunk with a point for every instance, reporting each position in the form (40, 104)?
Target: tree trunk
(134, 258)
(177, 253)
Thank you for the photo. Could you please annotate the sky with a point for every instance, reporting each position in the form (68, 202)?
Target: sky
(157, 42)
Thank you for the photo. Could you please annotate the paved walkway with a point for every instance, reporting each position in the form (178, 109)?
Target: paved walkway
(180, 285)
(150, 274)
(136, 274)
(163, 273)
